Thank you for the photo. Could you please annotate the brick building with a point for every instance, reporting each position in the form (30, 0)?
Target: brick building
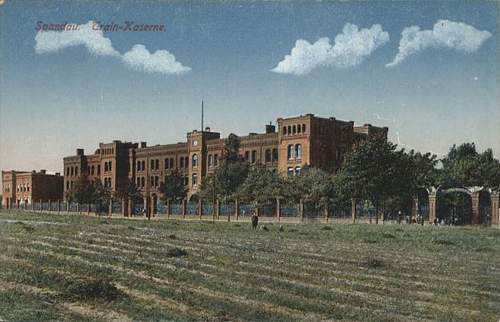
(23, 187)
(298, 141)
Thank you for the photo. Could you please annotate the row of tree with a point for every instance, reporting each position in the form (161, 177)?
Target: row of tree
(376, 171)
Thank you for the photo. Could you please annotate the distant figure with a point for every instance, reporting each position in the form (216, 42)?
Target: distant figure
(255, 221)
(281, 228)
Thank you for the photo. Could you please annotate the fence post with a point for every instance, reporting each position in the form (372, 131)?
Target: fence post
(217, 208)
(88, 209)
(130, 210)
(58, 206)
(41, 206)
(67, 206)
(236, 211)
(110, 208)
(78, 208)
(184, 206)
(326, 212)
(301, 209)
(353, 211)
(50, 205)
(32, 205)
(200, 207)
(278, 209)
(169, 208)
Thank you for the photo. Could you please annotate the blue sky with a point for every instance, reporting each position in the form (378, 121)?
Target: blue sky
(53, 102)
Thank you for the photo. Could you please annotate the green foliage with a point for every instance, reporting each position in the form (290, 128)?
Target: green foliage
(313, 185)
(128, 190)
(88, 191)
(228, 177)
(463, 166)
(261, 186)
(173, 188)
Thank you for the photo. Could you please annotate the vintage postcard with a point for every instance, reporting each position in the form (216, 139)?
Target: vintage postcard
(249, 160)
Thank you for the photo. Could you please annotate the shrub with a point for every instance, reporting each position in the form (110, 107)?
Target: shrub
(92, 289)
(176, 252)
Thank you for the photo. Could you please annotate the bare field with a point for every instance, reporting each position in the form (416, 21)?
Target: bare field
(69, 267)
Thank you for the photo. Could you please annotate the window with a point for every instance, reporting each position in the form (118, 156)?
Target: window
(182, 163)
(186, 161)
(105, 167)
(303, 128)
(216, 160)
(76, 171)
(289, 129)
(167, 164)
(194, 179)
(290, 152)
(289, 171)
(247, 155)
(194, 162)
(275, 155)
(294, 129)
(298, 128)
(67, 171)
(254, 156)
(152, 181)
(284, 130)
(157, 181)
(157, 164)
(67, 185)
(92, 170)
(152, 164)
(186, 181)
(143, 182)
(172, 165)
(98, 169)
(298, 171)
(298, 151)
(268, 156)
(138, 183)
(210, 160)
(72, 170)
(143, 165)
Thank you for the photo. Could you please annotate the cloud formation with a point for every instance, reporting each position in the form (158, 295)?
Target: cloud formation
(350, 48)
(445, 34)
(161, 61)
(93, 39)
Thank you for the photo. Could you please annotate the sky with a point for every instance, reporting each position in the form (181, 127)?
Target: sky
(426, 70)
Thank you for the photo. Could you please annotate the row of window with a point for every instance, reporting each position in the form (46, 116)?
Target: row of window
(107, 182)
(168, 164)
(155, 181)
(213, 160)
(294, 129)
(72, 171)
(94, 168)
(21, 188)
(69, 185)
(108, 151)
(291, 171)
(108, 166)
(294, 151)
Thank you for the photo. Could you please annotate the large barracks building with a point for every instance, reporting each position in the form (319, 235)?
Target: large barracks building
(297, 142)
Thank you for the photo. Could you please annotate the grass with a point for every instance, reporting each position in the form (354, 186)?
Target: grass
(78, 268)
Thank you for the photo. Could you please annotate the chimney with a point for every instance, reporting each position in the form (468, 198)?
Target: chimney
(270, 128)
(79, 151)
(143, 145)
(58, 174)
(207, 128)
(43, 171)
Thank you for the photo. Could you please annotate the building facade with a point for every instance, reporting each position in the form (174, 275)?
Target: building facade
(21, 188)
(306, 140)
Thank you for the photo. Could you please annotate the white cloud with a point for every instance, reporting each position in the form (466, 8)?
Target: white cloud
(350, 48)
(445, 34)
(92, 38)
(161, 61)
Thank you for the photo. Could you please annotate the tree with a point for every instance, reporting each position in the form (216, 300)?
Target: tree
(313, 185)
(101, 195)
(227, 178)
(376, 172)
(83, 191)
(261, 186)
(173, 188)
(128, 190)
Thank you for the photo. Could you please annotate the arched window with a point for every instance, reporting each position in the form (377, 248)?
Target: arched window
(194, 163)
(298, 128)
(289, 171)
(67, 171)
(298, 171)
(275, 155)
(294, 129)
(289, 129)
(303, 128)
(152, 164)
(290, 153)
(72, 170)
(284, 130)
(194, 179)
(298, 151)
(268, 156)
(157, 164)
(254, 156)
(247, 156)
